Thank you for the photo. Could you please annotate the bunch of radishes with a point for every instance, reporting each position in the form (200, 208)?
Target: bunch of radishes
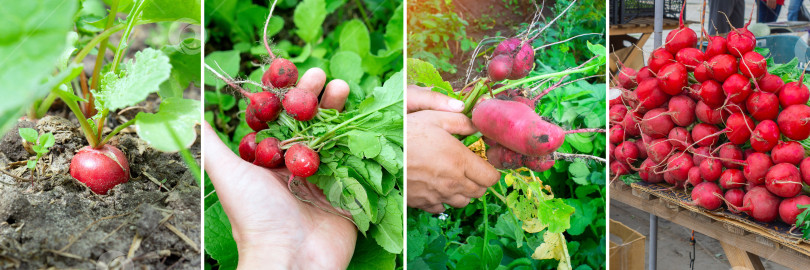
(695, 118)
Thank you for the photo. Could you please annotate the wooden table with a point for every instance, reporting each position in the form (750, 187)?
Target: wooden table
(744, 245)
(632, 55)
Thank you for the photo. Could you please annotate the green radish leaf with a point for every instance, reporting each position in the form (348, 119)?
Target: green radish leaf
(47, 140)
(181, 115)
(38, 149)
(142, 77)
(345, 66)
(332, 5)
(377, 65)
(31, 164)
(29, 135)
(225, 63)
(393, 30)
(354, 38)
(308, 18)
(423, 74)
(187, 11)
(185, 61)
(388, 233)
(364, 144)
(368, 255)
(219, 241)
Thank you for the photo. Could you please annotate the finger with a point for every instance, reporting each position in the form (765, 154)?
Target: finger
(334, 97)
(313, 80)
(221, 163)
(479, 170)
(421, 98)
(454, 123)
(459, 201)
(471, 189)
(436, 209)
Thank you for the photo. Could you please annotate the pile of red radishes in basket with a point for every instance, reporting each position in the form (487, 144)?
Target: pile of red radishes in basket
(716, 123)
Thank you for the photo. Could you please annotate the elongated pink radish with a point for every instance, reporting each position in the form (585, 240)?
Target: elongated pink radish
(765, 136)
(794, 122)
(517, 127)
(756, 167)
(539, 164)
(503, 158)
(783, 180)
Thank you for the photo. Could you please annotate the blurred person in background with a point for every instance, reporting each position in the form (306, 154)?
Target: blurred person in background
(723, 12)
(794, 9)
(769, 10)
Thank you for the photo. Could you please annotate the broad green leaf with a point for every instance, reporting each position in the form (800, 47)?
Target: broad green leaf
(219, 241)
(388, 233)
(422, 73)
(364, 144)
(33, 35)
(369, 255)
(389, 97)
(377, 65)
(583, 216)
(308, 18)
(578, 169)
(579, 142)
(554, 247)
(346, 65)
(185, 61)
(332, 5)
(176, 113)
(354, 38)
(393, 30)
(187, 11)
(225, 63)
(29, 135)
(143, 76)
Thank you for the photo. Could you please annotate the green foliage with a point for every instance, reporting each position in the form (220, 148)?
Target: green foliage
(585, 17)
(433, 26)
(40, 144)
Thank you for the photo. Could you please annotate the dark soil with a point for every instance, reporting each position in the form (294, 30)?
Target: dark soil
(58, 222)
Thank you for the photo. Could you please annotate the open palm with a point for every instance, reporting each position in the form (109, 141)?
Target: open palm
(273, 228)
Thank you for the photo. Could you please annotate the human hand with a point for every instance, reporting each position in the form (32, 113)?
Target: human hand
(421, 98)
(272, 228)
(440, 168)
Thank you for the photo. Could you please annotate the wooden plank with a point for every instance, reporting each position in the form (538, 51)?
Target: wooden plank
(741, 258)
(748, 242)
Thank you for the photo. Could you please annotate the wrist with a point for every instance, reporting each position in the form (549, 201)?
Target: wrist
(255, 253)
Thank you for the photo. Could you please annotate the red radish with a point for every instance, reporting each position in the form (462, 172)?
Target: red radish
(690, 57)
(617, 113)
(708, 115)
(740, 41)
(517, 127)
(732, 178)
(794, 122)
(717, 46)
(707, 195)
(693, 91)
(739, 128)
(682, 110)
(616, 134)
(765, 136)
(804, 168)
(627, 78)
(642, 150)
(508, 46)
(680, 138)
(753, 65)
(660, 57)
(502, 158)
(253, 122)
(100, 169)
(789, 208)
(711, 169)
(730, 153)
(627, 152)
(788, 152)
(737, 88)
(269, 153)
(647, 172)
(650, 95)
(770, 83)
(281, 74)
(611, 147)
(678, 166)
(659, 150)
(670, 179)
(783, 180)
(794, 93)
(722, 66)
(629, 98)
(539, 164)
(694, 177)
(703, 72)
(247, 147)
(711, 93)
(644, 73)
(619, 169)
(680, 38)
(760, 204)
(499, 67)
(757, 165)
(762, 105)
(656, 123)
(631, 124)
(523, 62)
(734, 198)
(301, 104)
(700, 153)
(704, 134)
(672, 78)
(265, 106)
(301, 160)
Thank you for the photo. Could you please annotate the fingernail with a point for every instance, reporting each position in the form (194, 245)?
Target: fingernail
(455, 105)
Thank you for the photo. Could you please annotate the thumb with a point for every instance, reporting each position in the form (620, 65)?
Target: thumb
(421, 98)
(453, 123)
(221, 164)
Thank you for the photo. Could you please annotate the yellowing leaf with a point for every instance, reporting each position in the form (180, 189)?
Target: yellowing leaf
(509, 179)
(553, 248)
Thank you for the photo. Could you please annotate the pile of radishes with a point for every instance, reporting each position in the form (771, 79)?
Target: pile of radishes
(715, 120)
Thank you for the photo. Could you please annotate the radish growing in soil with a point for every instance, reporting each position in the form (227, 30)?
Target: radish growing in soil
(100, 169)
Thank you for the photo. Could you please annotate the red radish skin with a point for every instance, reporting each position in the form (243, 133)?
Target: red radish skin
(794, 122)
(508, 46)
(680, 138)
(678, 166)
(789, 208)
(672, 78)
(756, 168)
(617, 113)
(644, 73)
(804, 169)
(793, 93)
(247, 147)
(703, 72)
(705, 135)
(265, 106)
(694, 177)
(502, 158)
(712, 94)
(660, 57)
(729, 153)
(616, 134)
(281, 74)
(783, 180)
(650, 96)
(681, 38)
(707, 195)
(711, 169)
(517, 127)
(708, 115)
(254, 123)
(656, 123)
(301, 160)
(627, 78)
(619, 169)
(765, 136)
(693, 91)
(629, 98)
(269, 153)
(642, 150)
(722, 66)
(100, 169)
(631, 124)
(740, 41)
(760, 204)
(682, 110)
(690, 57)
(753, 65)
(499, 67)
(301, 104)
(788, 152)
(539, 164)
(659, 150)
(732, 178)
(717, 46)
(647, 172)
(739, 128)
(734, 198)
(700, 153)
(626, 152)
(770, 83)
(737, 88)
(762, 106)
(523, 62)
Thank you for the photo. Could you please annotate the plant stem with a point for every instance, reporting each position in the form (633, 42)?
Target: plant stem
(264, 33)
(486, 224)
(95, 41)
(124, 43)
(517, 83)
(363, 14)
(341, 125)
(87, 130)
(116, 130)
(43, 107)
(102, 49)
